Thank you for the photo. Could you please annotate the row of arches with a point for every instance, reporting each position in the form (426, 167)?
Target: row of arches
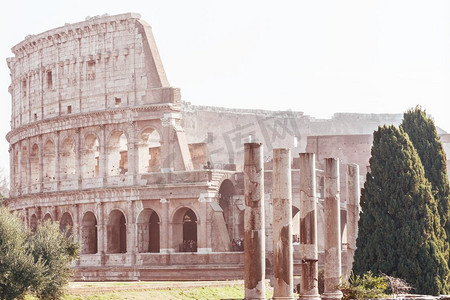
(147, 230)
(85, 159)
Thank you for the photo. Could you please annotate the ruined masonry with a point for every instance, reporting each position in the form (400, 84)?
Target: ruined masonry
(153, 187)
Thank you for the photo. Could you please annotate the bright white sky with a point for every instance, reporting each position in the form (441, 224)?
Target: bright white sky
(319, 57)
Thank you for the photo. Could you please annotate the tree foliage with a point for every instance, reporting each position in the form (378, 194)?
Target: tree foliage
(399, 227)
(35, 263)
(57, 251)
(423, 134)
(18, 269)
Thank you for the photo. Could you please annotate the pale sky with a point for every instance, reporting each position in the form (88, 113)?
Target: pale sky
(319, 57)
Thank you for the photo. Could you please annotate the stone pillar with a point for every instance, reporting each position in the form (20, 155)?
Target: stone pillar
(103, 153)
(19, 169)
(332, 230)
(254, 229)
(131, 234)
(165, 232)
(353, 193)
(79, 157)
(282, 225)
(133, 156)
(58, 161)
(308, 228)
(41, 164)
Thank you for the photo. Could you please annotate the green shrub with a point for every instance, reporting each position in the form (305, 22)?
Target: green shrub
(363, 287)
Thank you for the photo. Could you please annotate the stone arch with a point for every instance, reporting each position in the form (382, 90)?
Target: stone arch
(89, 233)
(48, 217)
(226, 193)
(90, 156)
(148, 231)
(185, 229)
(24, 166)
(68, 158)
(66, 223)
(149, 148)
(49, 161)
(117, 153)
(117, 232)
(34, 164)
(33, 223)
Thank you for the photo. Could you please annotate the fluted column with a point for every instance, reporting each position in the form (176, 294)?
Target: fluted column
(308, 228)
(282, 225)
(254, 226)
(332, 230)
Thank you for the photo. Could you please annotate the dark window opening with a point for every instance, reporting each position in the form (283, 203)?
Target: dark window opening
(210, 138)
(117, 101)
(91, 70)
(35, 117)
(49, 80)
(24, 88)
(69, 109)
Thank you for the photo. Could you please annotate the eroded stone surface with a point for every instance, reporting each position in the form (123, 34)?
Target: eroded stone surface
(254, 227)
(282, 225)
(308, 225)
(332, 230)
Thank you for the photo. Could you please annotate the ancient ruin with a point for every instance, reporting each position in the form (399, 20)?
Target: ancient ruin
(254, 225)
(153, 187)
(283, 261)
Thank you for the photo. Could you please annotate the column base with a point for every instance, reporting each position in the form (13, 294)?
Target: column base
(309, 297)
(281, 298)
(332, 295)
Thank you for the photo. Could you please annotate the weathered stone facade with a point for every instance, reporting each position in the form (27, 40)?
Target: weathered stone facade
(96, 143)
(152, 187)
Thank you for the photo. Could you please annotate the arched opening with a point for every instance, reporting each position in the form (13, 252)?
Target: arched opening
(49, 161)
(66, 224)
(34, 164)
(189, 231)
(48, 217)
(90, 157)
(184, 230)
(149, 151)
(89, 234)
(295, 225)
(33, 223)
(67, 159)
(24, 166)
(148, 231)
(226, 192)
(118, 154)
(117, 232)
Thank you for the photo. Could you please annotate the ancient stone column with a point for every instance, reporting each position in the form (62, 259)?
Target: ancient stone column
(332, 230)
(254, 227)
(353, 193)
(308, 228)
(283, 270)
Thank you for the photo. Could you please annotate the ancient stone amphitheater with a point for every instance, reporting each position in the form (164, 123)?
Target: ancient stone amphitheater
(149, 185)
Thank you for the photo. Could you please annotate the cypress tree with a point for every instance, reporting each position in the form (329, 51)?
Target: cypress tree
(398, 227)
(423, 134)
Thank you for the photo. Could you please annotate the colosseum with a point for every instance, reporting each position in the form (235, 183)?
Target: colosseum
(152, 187)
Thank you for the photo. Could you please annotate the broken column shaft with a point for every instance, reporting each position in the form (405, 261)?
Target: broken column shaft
(282, 225)
(308, 228)
(254, 227)
(353, 193)
(332, 230)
